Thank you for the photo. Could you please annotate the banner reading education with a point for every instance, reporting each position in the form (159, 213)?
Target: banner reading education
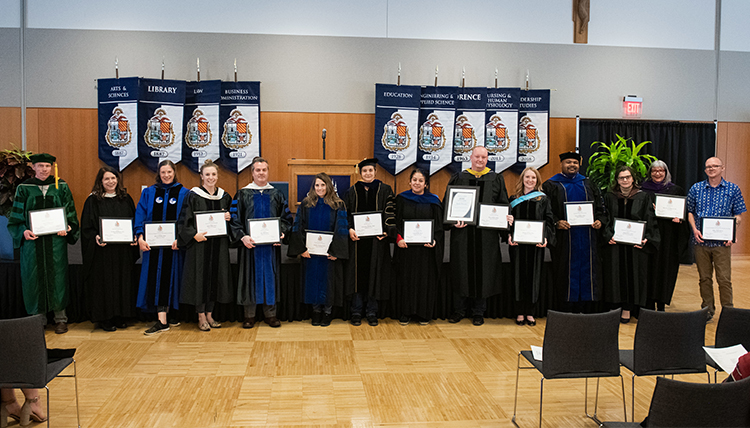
(160, 109)
(469, 132)
(533, 129)
(396, 126)
(239, 115)
(437, 117)
(118, 121)
(201, 138)
(501, 127)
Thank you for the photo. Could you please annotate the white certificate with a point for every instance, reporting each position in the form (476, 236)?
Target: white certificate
(317, 242)
(461, 203)
(159, 234)
(211, 222)
(368, 224)
(116, 230)
(718, 228)
(418, 231)
(579, 213)
(264, 230)
(493, 216)
(528, 232)
(48, 221)
(629, 231)
(670, 206)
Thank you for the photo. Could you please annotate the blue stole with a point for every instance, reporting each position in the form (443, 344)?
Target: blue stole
(526, 197)
(316, 267)
(264, 256)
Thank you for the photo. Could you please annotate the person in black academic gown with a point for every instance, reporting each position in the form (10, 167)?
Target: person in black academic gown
(108, 269)
(206, 278)
(322, 277)
(418, 265)
(624, 265)
(675, 236)
(527, 260)
(368, 270)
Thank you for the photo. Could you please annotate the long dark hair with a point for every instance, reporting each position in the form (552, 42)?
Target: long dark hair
(161, 164)
(331, 198)
(425, 175)
(98, 189)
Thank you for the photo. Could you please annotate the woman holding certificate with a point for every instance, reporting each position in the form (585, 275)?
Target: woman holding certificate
(319, 235)
(419, 251)
(108, 258)
(673, 231)
(632, 237)
(527, 257)
(202, 232)
(161, 267)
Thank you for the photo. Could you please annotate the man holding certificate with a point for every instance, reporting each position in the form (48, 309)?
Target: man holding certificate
(369, 204)
(43, 238)
(714, 198)
(575, 259)
(260, 264)
(475, 253)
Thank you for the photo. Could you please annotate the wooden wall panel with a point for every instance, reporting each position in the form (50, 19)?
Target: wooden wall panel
(733, 142)
(10, 127)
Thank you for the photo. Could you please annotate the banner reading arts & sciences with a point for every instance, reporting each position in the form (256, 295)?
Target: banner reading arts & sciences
(469, 132)
(501, 127)
(437, 117)
(202, 135)
(160, 110)
(239, 115)
(118, 121)
(533, 129)
(396, 126)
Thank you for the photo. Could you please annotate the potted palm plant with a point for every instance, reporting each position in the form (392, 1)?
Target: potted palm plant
(604, 162)
(14, 170)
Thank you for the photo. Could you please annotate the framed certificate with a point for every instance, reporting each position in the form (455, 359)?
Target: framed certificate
(48, 221)
(264, 230)
(528, 232)
(418, 231)
(719, 228)
(629, 231)
(116, 230)
(461, 204)
(318, 242)
(670, 206)
(159, 234)
(368, 224)
(579, 213)
(211, 222)
(493, 216)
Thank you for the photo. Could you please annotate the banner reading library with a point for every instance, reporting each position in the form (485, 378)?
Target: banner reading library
(160, 109)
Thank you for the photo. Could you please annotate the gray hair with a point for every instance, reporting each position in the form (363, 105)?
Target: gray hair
(660, 164)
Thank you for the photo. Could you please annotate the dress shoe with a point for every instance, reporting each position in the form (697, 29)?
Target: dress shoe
(120, 324)
(316, 317)
(520, 322)
(624, 320)
(404, 320)
(61, 328)
(456, 317)
(530, 321)
(372, 320)
(249, 322)
(273, 322)
(356, 319)
(326, 321)
(174, 322)
(107, 326)
(477, 320)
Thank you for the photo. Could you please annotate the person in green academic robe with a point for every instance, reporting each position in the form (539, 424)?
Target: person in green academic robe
(44, 258)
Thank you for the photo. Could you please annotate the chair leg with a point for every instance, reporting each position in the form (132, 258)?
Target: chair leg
(541, 400)
(47, 388)
(632, 397)
(515, 400)
(624, 407)
(75, 379)
(593, 417)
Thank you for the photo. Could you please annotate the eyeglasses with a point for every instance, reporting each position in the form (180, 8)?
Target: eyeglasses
(626, 178)
(713, 166)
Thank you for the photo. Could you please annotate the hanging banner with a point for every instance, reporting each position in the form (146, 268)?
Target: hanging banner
(469, 132)
(239, 115)
(201, 138)
(118, 121)
(533, 129)
(396, 126)
(437, 116)
(501, 127)
(160, 109)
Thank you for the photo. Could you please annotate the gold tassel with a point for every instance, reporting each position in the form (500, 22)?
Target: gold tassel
(57, 178)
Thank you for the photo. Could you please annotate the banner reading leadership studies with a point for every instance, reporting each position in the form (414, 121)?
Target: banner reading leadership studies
(533, 129)
(118, 121)
(201, 139)
(160, 110)
(239, 115)
(396, 126)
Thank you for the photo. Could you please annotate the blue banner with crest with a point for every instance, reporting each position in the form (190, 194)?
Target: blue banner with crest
(118, 121)
(533, 129)
(501, 127)
(160, 108)
(469, 129)
(437, 116)
(239, 116)
(201, 131)
(396, 126)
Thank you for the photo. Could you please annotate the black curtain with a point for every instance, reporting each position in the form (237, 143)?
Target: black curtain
(683, 146)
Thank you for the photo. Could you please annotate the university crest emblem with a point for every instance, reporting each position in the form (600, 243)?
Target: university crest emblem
(496, 136)
(159, 130)
(198, 131)
(236, 131)
(528, 137)
(396, 135)
(118, 129)
(464, 139)
(432, 134)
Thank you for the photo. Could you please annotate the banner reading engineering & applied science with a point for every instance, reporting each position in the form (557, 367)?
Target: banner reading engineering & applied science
(437, 116)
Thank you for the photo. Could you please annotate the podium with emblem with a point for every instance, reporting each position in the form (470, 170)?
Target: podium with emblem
(302, 174)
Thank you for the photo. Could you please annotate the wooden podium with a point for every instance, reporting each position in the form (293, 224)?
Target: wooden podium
(302, 167)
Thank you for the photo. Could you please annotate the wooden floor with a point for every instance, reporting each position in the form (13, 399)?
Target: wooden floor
(298, 375)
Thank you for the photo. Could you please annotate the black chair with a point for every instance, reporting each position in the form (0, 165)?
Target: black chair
(733, 329)
(24, 360)
(686, 404)
(577, 346)
(666, 343)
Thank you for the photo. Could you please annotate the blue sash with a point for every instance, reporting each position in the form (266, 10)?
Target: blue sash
(526, 197)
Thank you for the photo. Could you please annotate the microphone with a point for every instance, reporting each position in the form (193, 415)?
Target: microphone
(324, 133)
(324, 143)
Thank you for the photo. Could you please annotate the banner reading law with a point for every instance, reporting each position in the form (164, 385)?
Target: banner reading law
(437, 117)
(501, 127)
(533, 129)
(118, 121)
(469, 132)
(160, 110)
(239, 115)
(201, 138)
(396, 128)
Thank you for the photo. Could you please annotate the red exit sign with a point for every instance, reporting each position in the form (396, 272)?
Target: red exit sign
(632, 106)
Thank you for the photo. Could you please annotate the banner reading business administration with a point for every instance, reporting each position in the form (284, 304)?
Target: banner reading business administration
(437, 117)
(501, 127)
(469, 132)
(239, 115)
(533, 129)
(118, 121)
(160, 109)
(201, 120)
(396, 128)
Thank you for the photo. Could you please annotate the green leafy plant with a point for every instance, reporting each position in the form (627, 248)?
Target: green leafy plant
(14, 170)
(604, 162)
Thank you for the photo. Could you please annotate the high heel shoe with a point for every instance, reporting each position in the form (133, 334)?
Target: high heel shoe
(27, 415)
(5, 413)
